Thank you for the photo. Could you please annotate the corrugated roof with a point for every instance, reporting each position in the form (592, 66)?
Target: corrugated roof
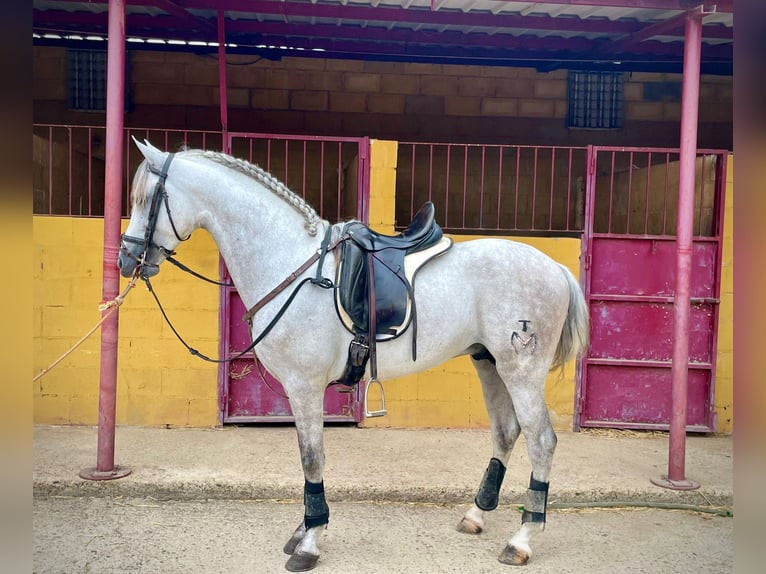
(594, 34)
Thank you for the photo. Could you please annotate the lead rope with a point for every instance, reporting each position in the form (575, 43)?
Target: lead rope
(110, 307)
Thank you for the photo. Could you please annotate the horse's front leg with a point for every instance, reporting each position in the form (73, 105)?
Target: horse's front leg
(303, 546)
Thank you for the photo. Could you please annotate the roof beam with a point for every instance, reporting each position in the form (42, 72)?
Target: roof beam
(347, 13)
(416, 16)
(247, 32)
(174, 9)
(650, 31)
(726, 6)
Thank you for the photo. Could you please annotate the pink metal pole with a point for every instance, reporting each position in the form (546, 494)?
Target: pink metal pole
(222, 91)
(115, 105)
(676, 479)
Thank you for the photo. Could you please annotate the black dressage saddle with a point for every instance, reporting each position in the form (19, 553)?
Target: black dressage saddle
(375, 296)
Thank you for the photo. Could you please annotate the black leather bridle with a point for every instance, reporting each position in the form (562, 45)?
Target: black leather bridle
(147, 242)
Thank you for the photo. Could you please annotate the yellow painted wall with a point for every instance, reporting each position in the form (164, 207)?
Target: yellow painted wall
(450, 395)
(724, 376)
(160, 383)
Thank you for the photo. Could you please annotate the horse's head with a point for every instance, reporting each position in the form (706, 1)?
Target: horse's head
(154, 231)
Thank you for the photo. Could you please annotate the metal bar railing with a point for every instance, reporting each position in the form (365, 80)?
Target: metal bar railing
(534, 194)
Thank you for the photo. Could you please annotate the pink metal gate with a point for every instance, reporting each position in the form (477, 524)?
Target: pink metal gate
(332, 174)
(628, 262)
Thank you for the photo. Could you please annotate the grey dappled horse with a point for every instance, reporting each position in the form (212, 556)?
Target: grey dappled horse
(517, 313)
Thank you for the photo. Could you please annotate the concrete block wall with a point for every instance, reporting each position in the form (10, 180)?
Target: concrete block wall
(384, 100)
(158, 382)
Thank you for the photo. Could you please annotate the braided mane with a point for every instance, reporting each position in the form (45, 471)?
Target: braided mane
(313, 221)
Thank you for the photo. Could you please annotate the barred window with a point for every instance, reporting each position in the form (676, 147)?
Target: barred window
(595, 100)
(86, 80)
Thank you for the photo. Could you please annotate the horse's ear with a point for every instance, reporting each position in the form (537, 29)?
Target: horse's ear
(153, 155)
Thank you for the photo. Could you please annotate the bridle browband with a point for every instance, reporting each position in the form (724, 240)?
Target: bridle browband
(147, 243)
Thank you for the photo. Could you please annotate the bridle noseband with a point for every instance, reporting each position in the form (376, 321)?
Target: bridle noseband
(147, 243)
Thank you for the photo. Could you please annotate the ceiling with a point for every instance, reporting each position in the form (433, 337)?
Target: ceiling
(628, 35)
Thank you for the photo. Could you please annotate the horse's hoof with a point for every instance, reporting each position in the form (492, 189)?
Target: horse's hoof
(513, 556)
(467, 526)
(300, 562)
(292, 544)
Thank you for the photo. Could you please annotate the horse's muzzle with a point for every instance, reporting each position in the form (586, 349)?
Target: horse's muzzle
(126, 265)
(128, 260)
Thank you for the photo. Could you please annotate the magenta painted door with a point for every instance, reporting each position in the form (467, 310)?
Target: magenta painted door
(629, 271)
(332, 174)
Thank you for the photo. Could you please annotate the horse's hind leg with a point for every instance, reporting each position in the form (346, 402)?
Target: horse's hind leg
(303, 545)
(526, 385)
(505, 431)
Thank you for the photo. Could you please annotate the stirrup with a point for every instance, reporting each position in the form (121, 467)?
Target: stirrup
(382, 412)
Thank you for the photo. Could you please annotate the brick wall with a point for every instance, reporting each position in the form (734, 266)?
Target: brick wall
(385, 100)
(158, 382)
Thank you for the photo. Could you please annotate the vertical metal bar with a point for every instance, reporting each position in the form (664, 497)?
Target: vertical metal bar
(516, 191)
(430, 172)
(115, 92)
(676, 478)
(50, 170)
(630, 188)
(90, 171)
(363, 198)
(303, 180)
(340, 177)
(647, 198)
(446, 188)
(534, 187)
(223, 95)
(287, 159)
(481, 188)
(702, 194)
(69, 168)
(569, 187)
(465, 182)
(499, 183)
(665, 196)
(268, 155)
(717, 231)
(126, 191)
(685, 221)
(321, 175)
(412, 184)
(581, 387)
(550, 206)
(611, 196)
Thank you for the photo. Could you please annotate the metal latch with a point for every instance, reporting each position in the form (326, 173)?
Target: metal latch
(380, 413)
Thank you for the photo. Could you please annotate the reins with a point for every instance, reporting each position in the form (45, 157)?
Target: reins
(318, 280)
(160, 195)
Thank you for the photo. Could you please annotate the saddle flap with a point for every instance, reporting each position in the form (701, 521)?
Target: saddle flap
(394, 272)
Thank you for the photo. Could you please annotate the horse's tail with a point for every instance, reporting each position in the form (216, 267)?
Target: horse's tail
(575, 335)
